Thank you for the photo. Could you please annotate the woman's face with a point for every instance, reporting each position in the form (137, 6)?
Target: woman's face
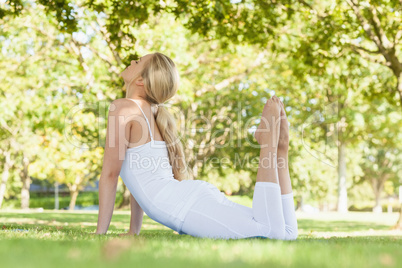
(133, 71)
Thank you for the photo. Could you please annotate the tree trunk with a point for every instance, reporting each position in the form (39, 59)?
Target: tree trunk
(5, 175)
(399, 87)
(377, 208)
(126, 198)
(398, 225)
(73, 195)
(342, 189)
(56, 195)
(26, 183)
(300, 204)
(195, 170)
(377, 188)
(74, 192)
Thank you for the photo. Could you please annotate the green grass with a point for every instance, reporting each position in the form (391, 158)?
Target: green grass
(61, 239)
(47, 202)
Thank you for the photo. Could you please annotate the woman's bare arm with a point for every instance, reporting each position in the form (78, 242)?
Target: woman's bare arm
(117, 137)
(137, 214)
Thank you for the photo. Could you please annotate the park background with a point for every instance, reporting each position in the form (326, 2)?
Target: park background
(337, 66)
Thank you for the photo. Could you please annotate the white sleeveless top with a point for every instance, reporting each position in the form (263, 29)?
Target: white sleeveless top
(148, 175)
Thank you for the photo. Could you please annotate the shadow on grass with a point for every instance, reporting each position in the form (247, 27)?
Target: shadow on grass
(121, 222)
(339, 226)
(61, 217)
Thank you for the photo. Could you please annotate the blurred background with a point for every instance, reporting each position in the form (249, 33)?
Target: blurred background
(336, 65)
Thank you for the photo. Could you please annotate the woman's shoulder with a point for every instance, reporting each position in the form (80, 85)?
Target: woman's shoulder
(123, 101)
(124, 106)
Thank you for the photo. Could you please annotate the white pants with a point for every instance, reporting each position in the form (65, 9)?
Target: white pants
(272, 216)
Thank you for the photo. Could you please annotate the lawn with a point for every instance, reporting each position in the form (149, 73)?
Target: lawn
(60, 239)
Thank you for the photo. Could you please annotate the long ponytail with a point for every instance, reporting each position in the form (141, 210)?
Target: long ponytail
(161, 81)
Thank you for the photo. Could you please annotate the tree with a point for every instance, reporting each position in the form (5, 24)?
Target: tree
(379, 166)
(41, 83)
(382, 158)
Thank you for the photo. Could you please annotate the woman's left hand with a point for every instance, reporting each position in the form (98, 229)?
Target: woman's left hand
(93, 233)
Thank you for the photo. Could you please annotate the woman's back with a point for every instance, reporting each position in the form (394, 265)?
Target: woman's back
(143, 128)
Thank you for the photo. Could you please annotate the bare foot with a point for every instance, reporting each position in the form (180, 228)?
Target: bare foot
(283, 144)
(267, 133)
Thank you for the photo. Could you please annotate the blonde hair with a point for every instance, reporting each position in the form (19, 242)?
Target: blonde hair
(161, 81)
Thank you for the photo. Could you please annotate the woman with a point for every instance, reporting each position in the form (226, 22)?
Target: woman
(144, 149)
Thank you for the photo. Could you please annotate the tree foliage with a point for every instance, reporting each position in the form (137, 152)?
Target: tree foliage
(337, 66)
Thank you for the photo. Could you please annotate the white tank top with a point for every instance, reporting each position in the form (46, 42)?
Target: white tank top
(148, 175)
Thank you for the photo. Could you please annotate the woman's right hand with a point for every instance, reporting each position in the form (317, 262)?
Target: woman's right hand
(127, 234)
